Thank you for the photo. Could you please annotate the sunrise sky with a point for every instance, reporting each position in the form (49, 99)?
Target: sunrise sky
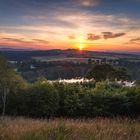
(98, 25)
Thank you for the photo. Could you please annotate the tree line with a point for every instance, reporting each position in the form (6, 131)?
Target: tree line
(100, 97)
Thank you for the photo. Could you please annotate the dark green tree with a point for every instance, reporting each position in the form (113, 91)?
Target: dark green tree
(120, 73)
(102, 72)
(42, 100)
(8, 79)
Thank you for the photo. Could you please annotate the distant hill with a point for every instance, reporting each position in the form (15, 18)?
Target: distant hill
(25, 54)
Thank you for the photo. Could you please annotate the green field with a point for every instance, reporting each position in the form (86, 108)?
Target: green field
(66, 129)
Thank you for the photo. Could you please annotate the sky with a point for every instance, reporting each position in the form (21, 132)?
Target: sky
(97, 25)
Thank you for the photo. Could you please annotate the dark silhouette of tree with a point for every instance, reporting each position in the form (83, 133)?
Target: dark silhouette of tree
(105, 71)
(100, 72)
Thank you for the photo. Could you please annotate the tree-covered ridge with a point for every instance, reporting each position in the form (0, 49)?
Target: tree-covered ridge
(103, 97)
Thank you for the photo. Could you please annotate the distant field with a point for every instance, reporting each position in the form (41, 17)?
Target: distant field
(61, 58)
(96, 129)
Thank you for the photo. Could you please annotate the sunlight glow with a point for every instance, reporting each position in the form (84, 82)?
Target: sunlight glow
(81, 43)
(81, 47)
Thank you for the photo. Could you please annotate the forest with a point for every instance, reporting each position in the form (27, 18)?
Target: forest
(101, 97)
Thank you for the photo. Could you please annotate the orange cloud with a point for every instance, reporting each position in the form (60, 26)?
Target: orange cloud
(41, 41)
(108, 35)
(71, 37)
(135, 40)
(92, 37)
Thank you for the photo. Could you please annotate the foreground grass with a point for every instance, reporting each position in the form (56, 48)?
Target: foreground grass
(96, 129)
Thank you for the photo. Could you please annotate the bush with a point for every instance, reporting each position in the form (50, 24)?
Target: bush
(45, 99)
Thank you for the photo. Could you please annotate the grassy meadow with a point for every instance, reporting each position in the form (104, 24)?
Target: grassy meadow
(68, 129)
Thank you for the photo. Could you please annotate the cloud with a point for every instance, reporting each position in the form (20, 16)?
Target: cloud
(105, 35)
(92, 37)
(88, 3)
(71, 37)
(41, 41)
(108, 35)
(135, 39)
(59, 23)
(20, 40)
